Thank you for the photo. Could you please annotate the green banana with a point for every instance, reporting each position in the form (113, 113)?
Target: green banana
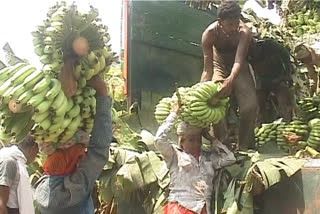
(88, 91)
(23, 98)
(34, 78)
(39, 49)
(92, 57)
(5, 86)
(78, 99)
(199, 113)
(82, 82)
(20, 76)
(102, 61)
(54, 90)
(45, 59)
(86, 114)
(58, 119)
(58, 100)
(43, 106)
(65, 123)
(54, 127)
(74, 123)
(17, 91)
(89, 73)
(39, 117)
(75, 110)
(70, 105)
(48, 49)
(62, 109)
(42, 85)
(205, 116)
(37, 98)
(6, 94)
(200, 96)
(4, 74)
(77, 71)
(67, 135)
(45, 124)
(14, 69)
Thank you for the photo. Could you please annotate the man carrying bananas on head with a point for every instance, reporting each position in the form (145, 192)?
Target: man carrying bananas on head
(70, 174)
(310, 57)
(225, 45)
(191, 170)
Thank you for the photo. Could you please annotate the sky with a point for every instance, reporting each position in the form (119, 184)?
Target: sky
(18, 18)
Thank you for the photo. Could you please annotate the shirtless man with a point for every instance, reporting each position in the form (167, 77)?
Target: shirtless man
(225, 46)
(311, 59)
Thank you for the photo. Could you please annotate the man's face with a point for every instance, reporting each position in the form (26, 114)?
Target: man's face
(190, 143)
(229, 26)
(32, 153)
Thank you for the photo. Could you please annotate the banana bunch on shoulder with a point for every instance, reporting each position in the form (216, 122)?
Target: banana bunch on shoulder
(56, 39)
(45, 111)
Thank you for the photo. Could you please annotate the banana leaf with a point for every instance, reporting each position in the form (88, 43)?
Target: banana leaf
(270, 173)
(136, 173)
(2, 65)
(159, 166)
(107, 180)
(155, 200)
(11, 58)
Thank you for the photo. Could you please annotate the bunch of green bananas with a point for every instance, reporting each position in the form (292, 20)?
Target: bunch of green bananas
(198, 111)
(304, 22)
(314, 135)
(195, 108)
(266, 133)
(297, 127)
(163, 109)
(53, 41)
(308, 107)
(47, 112)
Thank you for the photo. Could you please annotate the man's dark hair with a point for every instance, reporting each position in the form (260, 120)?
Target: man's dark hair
(27, 142)
(229, 9)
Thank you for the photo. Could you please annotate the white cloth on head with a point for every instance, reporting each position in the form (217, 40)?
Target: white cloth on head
(24, 191)
(187, 129)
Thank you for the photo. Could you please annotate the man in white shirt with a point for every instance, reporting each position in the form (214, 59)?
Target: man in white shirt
(15, 189)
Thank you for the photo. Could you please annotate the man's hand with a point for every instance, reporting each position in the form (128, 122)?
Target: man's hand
(97, 83)
(176, 107)
(67, 79)
(226, 88)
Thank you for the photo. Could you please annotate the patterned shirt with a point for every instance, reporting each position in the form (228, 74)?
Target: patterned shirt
(191, 182)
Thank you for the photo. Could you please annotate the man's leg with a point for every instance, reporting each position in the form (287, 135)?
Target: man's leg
(220, 129)
(261, 97)
(245, 93)
(284, 99)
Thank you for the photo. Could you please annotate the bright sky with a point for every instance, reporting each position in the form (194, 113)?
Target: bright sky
(18, 18)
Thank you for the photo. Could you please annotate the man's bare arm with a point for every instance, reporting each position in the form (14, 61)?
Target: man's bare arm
(207, 43)
(4, 196)
(313, 78)
(242, 52)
